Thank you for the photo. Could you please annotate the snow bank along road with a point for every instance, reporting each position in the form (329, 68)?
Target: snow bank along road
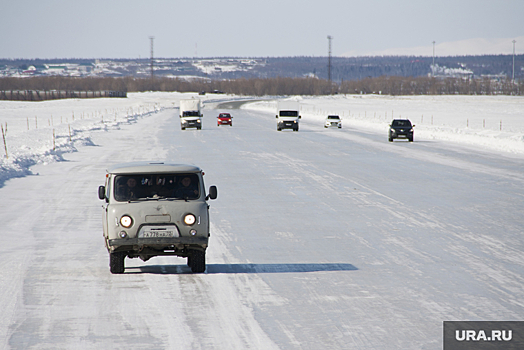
(321, 239)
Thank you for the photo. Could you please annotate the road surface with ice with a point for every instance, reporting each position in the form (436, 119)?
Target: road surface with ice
(320, 239)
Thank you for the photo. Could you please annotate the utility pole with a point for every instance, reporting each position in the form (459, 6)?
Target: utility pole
(433, 66)
(329, 58)
(513, 76)
(152, 74)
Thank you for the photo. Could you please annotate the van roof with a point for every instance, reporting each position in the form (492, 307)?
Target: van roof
(152, 168)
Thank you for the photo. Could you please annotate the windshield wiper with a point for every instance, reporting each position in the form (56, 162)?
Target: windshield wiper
(157, 198)
(145, 199)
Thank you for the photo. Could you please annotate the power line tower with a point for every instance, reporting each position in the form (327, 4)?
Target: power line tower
(151, 38)
(513, 75)
(433, 66)
(329, 58)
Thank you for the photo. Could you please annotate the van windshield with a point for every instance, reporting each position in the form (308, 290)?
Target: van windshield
(288, 113)
(142, 187)
(190, 114)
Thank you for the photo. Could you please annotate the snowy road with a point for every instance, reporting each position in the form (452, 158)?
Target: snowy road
(320, 239)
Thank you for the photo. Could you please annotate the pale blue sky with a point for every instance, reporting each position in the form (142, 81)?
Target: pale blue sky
(244, 28)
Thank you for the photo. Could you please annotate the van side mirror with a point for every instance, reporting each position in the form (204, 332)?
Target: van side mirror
(213, 193)
(102, 192)
(299, 117)
(276, 116)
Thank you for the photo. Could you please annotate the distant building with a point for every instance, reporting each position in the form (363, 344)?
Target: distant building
(86, 67)
(53, 69)
(29, 71)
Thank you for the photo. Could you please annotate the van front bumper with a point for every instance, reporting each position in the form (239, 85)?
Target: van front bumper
(136, 243)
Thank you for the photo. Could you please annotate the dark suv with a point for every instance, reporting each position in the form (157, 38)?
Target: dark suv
(400, 129)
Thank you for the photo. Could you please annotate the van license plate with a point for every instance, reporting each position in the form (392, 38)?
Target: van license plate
(155, 234)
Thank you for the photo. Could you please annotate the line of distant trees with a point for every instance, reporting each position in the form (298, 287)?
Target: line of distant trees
(432, 86)
(386, 85)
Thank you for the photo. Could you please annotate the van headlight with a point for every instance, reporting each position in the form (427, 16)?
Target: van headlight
(189, 219)
(126, 221)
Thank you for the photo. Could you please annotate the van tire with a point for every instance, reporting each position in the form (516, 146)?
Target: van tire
(198, 261)
(116, 262)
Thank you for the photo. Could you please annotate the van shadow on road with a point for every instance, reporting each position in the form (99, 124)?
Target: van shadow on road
(242, 268)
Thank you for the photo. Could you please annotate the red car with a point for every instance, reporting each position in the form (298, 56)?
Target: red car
(224, 119)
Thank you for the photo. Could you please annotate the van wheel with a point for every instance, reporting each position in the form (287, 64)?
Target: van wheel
(198, 261)
(189, 261)
(116, 262)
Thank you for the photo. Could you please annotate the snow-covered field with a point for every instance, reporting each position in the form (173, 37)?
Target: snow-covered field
(40, 132)
(324, 238)
(491, 122)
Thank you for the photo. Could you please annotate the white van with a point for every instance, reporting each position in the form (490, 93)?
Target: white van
(154, 209)
(288, 115)
(190, 114)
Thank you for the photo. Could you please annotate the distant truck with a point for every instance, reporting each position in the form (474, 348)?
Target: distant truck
(288, 114)
(190, 114)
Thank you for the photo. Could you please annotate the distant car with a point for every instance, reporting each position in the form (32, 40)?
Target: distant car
(333, 121)
(224, 119)
(400, 129)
